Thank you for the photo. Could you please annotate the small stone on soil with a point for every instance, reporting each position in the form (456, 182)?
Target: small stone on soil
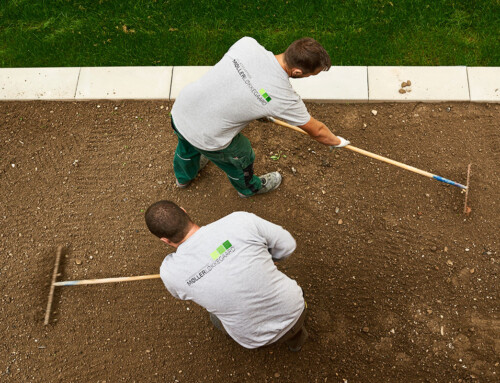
(374, 112)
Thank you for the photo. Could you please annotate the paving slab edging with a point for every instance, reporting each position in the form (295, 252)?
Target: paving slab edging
(339, 84)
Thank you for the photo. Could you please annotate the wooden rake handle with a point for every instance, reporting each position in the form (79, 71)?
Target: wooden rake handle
(105, 280)
(378, 157)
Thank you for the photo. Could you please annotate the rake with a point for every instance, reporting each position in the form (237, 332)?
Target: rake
(395, 163)
(83, 282)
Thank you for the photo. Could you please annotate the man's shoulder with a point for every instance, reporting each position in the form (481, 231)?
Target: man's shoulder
(236, 220)
(166, 261)
(247, 43)
(237, 215)
(247, 40)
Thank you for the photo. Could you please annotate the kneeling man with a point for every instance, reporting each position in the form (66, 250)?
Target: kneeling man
(228, 268)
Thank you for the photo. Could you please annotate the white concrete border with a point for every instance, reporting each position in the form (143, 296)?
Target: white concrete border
(124, 83)
(427, 83)
(38, 83)
(484, 84)
(340, 84)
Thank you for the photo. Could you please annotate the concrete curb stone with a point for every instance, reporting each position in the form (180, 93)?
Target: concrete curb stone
(339, 84)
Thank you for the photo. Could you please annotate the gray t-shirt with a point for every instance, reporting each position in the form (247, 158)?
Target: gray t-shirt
(246, 84)
(226, 267)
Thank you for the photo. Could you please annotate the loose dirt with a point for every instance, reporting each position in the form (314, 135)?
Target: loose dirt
(401, 285)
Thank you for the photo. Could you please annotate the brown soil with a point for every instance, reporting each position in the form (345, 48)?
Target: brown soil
(401, 285)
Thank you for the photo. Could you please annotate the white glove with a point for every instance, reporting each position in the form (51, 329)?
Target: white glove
(343, 142)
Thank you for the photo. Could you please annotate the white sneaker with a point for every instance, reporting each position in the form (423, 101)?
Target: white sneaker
(270, 182)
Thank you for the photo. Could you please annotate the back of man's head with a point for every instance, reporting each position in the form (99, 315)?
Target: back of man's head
(307, 55)
(167, 220)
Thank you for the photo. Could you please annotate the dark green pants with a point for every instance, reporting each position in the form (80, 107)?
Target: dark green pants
(236, 161)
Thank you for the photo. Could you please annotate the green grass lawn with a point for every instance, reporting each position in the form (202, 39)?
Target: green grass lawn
(37, 33)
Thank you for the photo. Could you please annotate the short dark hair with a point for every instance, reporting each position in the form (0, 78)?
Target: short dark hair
(307, 55)
(167, 220)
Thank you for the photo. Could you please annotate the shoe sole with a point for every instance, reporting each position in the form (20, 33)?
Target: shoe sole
(181, 186)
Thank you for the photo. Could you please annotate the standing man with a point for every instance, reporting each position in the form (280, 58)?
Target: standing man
(247, 84)
(228, 268)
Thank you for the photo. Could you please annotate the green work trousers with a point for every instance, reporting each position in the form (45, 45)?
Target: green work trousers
(236, 161)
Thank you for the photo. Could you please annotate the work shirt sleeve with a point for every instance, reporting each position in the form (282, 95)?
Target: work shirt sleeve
(172, 291)
(166, 279)
(279, 241)
(296, 113)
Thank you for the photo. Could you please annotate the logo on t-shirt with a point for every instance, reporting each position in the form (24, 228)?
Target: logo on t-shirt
(218, 256)
(220, 250)
(261, 95)
(265, 95)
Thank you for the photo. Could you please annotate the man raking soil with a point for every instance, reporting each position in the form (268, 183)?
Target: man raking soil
(247, 84)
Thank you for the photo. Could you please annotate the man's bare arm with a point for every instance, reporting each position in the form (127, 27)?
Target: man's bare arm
(320, 132)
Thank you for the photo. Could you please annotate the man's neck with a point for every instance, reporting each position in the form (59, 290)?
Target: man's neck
(281, 61)
(194, 228)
